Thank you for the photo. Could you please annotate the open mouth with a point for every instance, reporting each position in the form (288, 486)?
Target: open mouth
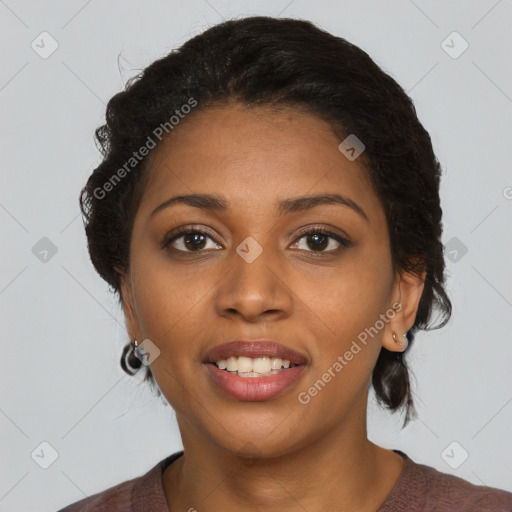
(255, 370)
(254, 366)
(250, 385)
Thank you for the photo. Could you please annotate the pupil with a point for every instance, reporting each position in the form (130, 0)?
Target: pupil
(194, 237)
(320, 245)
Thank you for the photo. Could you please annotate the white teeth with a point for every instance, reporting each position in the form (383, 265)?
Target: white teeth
(231, 365)
(249, 367)
(276, 363)
(261, 365)
(245, 364)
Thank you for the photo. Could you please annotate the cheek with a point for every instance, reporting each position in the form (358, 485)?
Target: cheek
(167, 283)
(167, 298)
(350, 296)
(344, 305)
(167, 308)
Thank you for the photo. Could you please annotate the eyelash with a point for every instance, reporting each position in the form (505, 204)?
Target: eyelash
(191, 230)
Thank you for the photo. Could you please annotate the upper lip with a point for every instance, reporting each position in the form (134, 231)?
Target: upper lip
(254, 348)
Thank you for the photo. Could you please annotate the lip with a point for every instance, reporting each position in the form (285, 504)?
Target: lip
(255, 348)
(254, 389)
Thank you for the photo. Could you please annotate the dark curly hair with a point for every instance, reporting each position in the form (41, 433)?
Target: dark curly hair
(271, 62)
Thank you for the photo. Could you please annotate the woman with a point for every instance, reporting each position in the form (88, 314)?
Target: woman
(268, 212)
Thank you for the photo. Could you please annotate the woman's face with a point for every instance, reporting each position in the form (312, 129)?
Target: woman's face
(251, 273)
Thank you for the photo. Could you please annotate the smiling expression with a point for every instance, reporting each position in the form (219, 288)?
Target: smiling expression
(239, 178)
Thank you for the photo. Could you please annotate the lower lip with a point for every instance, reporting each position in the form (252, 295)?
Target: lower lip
(254, 389)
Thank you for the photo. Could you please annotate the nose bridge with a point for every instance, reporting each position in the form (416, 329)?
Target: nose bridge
(254, 284)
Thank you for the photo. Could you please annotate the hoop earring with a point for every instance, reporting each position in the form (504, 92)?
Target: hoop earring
(132, 361)
(137, 351)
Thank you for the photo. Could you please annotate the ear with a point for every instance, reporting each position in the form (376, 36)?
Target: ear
(128, 302)
(406, 297)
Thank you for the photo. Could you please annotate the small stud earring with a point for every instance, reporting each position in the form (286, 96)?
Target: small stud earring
(399, 342)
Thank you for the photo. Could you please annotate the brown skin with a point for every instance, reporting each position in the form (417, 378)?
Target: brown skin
(303, 456)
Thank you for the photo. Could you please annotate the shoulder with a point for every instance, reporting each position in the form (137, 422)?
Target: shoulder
(135, 495)
(424, 488)
(114, 498)
(455, 493)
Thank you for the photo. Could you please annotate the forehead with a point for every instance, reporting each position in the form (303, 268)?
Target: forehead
(255, 154)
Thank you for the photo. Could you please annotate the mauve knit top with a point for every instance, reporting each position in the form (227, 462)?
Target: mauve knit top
(419, 488)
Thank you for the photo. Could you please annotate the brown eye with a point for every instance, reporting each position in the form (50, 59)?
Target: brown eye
(193, 241)
(189, 240)
(317, 241)
(320, 239)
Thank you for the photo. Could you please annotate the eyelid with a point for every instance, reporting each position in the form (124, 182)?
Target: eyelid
(343, 240)
(180, 231)
(325, 229)
(322, 229)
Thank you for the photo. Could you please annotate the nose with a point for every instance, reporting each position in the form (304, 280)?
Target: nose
(254, 290)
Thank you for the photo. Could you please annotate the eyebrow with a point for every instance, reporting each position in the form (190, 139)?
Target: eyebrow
(297, 204)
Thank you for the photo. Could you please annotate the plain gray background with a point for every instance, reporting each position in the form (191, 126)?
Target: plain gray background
(62, 331)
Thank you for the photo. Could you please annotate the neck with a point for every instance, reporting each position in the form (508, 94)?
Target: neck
(347, 468)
